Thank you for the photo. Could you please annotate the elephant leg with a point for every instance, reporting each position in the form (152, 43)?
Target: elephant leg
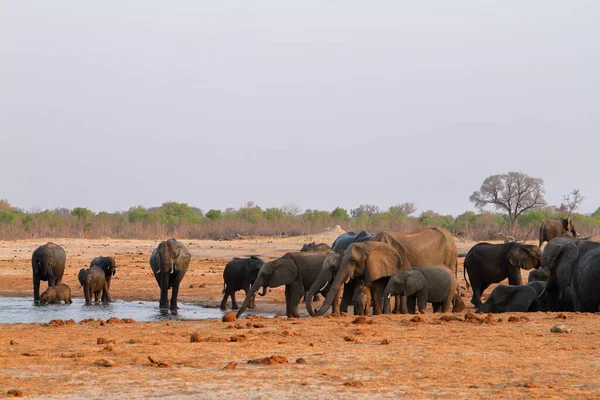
(422, 300)
(377, 296)
(514, 276)
(224, 301)
(234, 304)
(336, 306)
(410, 304)
(397, 303)
(287, 301)
(36, 289)
(437, 307)
(105, 294)
(164, 290)
(174, 294)
(476, 286)
(296, 293)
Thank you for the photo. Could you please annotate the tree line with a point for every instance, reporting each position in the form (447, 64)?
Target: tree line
(517, 200)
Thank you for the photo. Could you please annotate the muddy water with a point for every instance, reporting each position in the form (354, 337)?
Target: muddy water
(22, 310)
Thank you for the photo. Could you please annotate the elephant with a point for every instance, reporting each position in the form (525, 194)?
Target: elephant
(239, 274)
(48, 264)
(489, 263)
(346, 239)
(56, 294)
(575, 265)
(109, 266)
(93, 281)
(514, 298)
(538, 275)
(312, 246)
(552, 228)
(296, 270)
(169, 263)
(370, 260)
(422, 285)
(362, 299)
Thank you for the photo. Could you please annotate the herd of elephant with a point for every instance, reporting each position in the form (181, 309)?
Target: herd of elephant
(365, 271)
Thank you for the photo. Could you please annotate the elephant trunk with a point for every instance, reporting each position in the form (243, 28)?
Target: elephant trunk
(264, 291)
(342, 277)
(255, 286)
(319, 284)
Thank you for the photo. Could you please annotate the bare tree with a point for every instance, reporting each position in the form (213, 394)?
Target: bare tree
(406, 209)
(290, 209)
(514, 193)
(571, 202)
(368, 209)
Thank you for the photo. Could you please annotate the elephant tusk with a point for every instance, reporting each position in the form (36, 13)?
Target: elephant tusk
(389, 295)
(347, 280)
(324, 286)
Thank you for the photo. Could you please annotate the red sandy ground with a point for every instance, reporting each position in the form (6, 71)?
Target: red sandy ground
(435, 356)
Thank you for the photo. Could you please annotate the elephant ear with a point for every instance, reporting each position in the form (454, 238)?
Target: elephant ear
(284, 272)
(560, 261)
(519, 257)
(565, 223)
(81, 276)
(382, 261)
(415, 281)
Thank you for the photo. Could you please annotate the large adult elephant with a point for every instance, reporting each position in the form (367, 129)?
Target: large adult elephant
(574, 267)
(489, 263)
(346, 239)
(169, 263)
(48, 264)
(552, 228)
(371, 261)
(296, 270)
(109, 266)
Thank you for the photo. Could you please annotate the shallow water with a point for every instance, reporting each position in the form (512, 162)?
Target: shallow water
(22, 310)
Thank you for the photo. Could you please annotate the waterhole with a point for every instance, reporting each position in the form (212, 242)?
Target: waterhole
(22, 310)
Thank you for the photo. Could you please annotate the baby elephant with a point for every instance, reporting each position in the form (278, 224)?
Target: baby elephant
(361, 300)
(541, 274)
(56, 294)
(422, 285)
(93, 281)
(515, 298)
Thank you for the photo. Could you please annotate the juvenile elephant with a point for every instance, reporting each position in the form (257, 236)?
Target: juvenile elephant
(93, 281)
(422, 285)
(540, 274)
(362, 299)
(169, 263)
(48, 264)
(318, 247)
(514, 298)
(239, 274)
(56, 294)
(296, 270)
(552, 228)
(371, 261)
(575, 267)
(489, 263)
(109, 266)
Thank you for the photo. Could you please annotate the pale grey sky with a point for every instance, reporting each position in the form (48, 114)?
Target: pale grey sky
(110, 104)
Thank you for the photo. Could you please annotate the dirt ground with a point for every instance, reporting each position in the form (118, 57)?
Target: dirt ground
(432, 356)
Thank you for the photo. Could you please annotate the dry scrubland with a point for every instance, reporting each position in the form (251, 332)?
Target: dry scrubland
(456, 356)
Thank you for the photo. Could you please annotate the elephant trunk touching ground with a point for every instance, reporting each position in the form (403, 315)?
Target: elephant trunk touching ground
(260, 281)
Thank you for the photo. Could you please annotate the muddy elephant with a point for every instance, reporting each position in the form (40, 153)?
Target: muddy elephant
(346, 239)
(489, 263)
(109, 266)
(422, 285)
(169, 263)
(514, 298)
(239, 274)
(574, 267)
(93, 282)
(371, 261)
(296, 270)
(552, 228)
(56, 294)
(318, 247)
(48, 264)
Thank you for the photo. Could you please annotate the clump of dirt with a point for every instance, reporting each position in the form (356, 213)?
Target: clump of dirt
(350, 339)
(254, 325)
(229, 317)
(72, 355)
(13, 343)
(60, 322)
(105, 341)
(238, 338)
(157, 363)
(300, 361)
(449, 317)
(560, 329)
(195, 337)
(354, 384)
(128, 320)
(488, 320)
(529, 385)
(416, 318)
(269, 360)
(87, 321)
(231, 365)
(105, 362)
(114, 320)
(360, 320)
(470, 316)
(385, 342)
(561, 316)
(14, 393)
(213, 339)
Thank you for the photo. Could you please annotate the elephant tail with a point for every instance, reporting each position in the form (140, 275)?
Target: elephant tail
(223, 292)
(465, 276)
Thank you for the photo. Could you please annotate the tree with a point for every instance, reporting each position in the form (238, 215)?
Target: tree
(291, 209)
(83, 215)
(367, 209)
(514, 193)
(402, 210)
(571, 202)
(339, 212)
(213, 214)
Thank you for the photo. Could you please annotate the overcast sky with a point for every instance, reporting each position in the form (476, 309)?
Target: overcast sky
(110, 104)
